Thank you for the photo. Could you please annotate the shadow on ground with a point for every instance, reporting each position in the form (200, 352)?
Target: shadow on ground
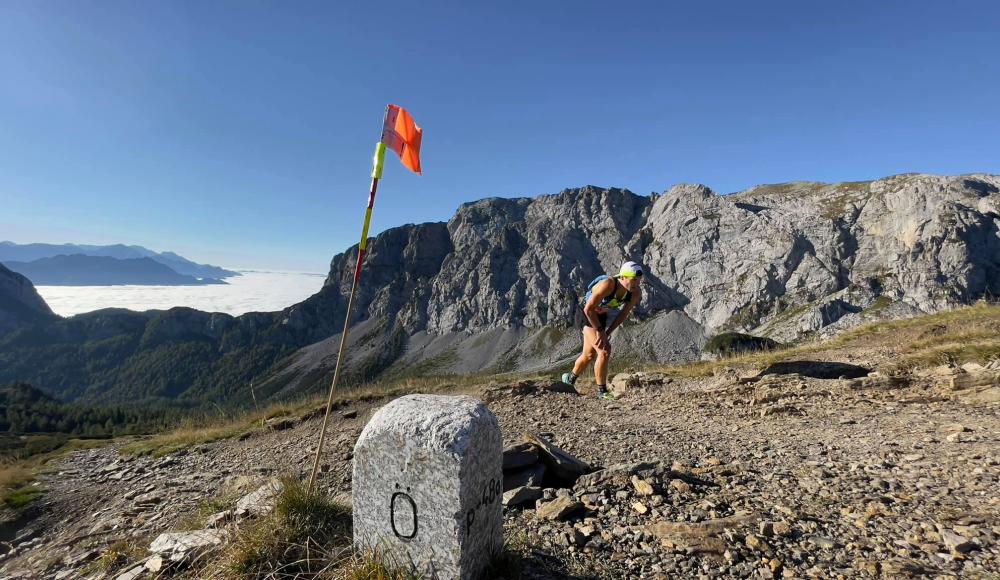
(816, 369)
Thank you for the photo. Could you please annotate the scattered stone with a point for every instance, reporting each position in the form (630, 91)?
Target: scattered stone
(955, 542)
(132, 573)
(559, 463)
(680, 485)
(281, 423)
(521, 495)
(154, 563)
(217, 519)
(531, 476)
(602, 476)
(823, 542)
(559, 509)
(755, 543)
(640, 508)
(186, 546)
(642, 487)
(153, 497)
(782, 529)
(519, 455)
(261, 501)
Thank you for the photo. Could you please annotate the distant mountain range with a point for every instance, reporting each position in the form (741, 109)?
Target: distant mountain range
(11, 252)
(81, 270)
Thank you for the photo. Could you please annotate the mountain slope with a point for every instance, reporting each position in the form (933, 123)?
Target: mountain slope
(20, 304)
(9, 251)
(82, 270)
(497, 288)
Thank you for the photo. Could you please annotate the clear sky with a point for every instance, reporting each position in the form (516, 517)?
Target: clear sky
(240, 133)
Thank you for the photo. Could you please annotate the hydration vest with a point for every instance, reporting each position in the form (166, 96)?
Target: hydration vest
(608, 301)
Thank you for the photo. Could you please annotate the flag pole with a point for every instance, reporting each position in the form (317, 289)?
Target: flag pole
(377, 164)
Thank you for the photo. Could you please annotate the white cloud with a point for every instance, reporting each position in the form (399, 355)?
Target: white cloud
(254, 291)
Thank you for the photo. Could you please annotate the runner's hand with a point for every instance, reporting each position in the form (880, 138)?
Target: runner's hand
(602, 341)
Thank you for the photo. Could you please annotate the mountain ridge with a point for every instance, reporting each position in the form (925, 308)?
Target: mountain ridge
(10, 251)
(84, 270)
(497, 287)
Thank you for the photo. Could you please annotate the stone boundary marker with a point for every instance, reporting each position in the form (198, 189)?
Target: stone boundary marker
(428, 483)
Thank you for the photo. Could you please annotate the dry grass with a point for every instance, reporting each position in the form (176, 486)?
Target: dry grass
(15, 477)
(119, 555)
(197, 431)
(969, 334)
(306, 536)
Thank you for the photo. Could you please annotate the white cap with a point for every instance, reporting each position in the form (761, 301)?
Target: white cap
(630, 270)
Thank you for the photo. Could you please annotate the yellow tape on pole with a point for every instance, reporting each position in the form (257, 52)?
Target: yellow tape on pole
(378, 161)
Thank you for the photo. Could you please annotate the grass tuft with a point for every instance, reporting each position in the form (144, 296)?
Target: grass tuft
(305, 536)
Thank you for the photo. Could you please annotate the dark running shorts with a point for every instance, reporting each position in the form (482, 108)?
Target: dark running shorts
(602, 317)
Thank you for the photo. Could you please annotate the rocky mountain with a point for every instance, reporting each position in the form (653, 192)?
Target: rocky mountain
(9, 251)
(20, 304)
(498, 286)
(82, 270)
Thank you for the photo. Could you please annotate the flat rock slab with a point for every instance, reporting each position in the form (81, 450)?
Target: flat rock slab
(559, 463)
(521, 495)
(702, 538)
(519, 455)
(531, 476)
(560, 508)
(428, 485)
(261, 501)
(179, 546)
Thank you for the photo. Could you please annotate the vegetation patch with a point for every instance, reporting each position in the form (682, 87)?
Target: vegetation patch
(309, 536)
(733, 343)
(746, 317)
(787, 315)
(305, 536)
(880, 304)
(119, 555)
(22, 496)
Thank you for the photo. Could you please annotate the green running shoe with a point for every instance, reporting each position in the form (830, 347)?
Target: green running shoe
(568, 379)
(604, 393)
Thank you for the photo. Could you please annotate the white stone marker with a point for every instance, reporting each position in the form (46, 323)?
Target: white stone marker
(428, 483)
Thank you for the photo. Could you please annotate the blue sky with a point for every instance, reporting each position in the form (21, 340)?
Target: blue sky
(241, 133)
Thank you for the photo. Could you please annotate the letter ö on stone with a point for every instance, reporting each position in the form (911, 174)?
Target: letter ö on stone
(428, 485)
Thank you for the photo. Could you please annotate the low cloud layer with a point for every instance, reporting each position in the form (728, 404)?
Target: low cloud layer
(254, 291)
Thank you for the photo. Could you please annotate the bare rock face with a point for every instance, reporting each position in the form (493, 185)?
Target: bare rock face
(20, 303)
(498, 286)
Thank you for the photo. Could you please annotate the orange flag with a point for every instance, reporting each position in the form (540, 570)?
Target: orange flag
(402, 135)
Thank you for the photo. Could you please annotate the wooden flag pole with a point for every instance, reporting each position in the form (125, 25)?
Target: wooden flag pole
(376, 176)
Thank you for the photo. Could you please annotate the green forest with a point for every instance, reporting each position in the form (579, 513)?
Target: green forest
(26, 410)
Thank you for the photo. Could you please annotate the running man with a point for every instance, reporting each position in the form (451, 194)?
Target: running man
(605, 294)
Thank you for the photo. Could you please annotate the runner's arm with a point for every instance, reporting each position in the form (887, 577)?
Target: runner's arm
(636, 296)
(599, 292)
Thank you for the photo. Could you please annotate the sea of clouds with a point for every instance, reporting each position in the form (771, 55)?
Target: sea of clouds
(254, 291)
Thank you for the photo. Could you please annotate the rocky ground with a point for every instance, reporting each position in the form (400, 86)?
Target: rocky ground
(780, 475)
